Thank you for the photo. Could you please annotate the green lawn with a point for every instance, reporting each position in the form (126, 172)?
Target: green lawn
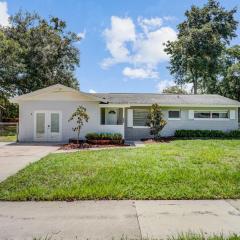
(8, 133)
(183, 169)
(8, 138)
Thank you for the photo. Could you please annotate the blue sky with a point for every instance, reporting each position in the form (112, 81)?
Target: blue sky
(119, 50)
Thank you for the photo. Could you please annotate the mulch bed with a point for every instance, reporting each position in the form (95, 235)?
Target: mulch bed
(85, 145)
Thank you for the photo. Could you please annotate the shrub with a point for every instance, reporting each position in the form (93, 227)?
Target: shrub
(155, 121)
(103, 136)
(206, 134)
(234, 134)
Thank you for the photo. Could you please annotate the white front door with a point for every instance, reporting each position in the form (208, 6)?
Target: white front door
(48, 126)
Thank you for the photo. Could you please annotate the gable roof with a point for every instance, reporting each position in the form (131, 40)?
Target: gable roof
(136, 98)
(53, 89)
(168, 99)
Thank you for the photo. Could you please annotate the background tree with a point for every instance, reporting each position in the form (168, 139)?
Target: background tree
(35, 53)
(42, 53)
(230, 84)
(174, 90)
(195, 57)
(80, 116)
(155, 121)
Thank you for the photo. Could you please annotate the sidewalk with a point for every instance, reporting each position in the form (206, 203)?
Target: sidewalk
(114, 219)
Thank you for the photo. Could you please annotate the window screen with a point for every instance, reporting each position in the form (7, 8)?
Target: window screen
(202, 115)
(174, 114)
(54, 122)
(140, 117)
(220, 115)
(40, 123)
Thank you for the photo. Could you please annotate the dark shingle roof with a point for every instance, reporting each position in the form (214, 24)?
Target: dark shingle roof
(167, 99)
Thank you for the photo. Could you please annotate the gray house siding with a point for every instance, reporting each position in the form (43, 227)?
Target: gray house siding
(132, 133)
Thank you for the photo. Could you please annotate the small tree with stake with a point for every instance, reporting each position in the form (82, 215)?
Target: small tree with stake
(155, 121)
(80, 116)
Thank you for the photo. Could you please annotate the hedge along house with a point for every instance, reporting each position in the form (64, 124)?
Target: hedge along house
(44, 114)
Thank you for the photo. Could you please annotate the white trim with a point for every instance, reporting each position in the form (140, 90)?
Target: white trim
(140, 127)
(186, 105)
(106, 105)
(129, 117)
(174, 119)
(232, 114)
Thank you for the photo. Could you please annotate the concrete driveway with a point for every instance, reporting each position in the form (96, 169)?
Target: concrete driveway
(114, 219)
(15, 156)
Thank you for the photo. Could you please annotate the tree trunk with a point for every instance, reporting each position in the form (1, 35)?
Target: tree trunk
(195, 86)
(78, 138)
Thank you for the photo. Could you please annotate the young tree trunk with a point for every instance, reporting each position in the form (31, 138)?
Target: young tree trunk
(78, 138)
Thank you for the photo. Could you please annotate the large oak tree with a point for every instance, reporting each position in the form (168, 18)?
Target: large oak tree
(195, 57)
(36, 53)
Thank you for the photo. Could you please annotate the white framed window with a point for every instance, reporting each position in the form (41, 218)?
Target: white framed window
(174, 115)
(140, 117)
(212, 115)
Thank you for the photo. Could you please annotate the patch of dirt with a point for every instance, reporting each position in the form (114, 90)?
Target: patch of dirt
(160, 140)
(85, 145)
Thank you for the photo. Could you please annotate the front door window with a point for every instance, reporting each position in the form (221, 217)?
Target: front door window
(40, 124)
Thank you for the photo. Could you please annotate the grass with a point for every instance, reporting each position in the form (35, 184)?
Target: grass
(8, 134)
(181, 169)
(8, 138)
(194, 236)
(183, 236)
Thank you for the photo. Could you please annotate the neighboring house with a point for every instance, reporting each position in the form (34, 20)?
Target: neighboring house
(44, 114)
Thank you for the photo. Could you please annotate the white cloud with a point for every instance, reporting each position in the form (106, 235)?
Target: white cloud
(169, 18)
(143, 50)
(4, 14)
(188, 87)
(139, 73)
(150, 24)
(164, 84)
(92, 91)
(168, 83)
(150, 48)
(82, 35)
(122, 30)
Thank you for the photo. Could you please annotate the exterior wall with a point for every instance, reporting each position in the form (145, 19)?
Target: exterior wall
(26, 118)
(137, 133)
(27, 109)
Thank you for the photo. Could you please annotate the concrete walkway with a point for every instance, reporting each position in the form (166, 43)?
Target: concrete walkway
(14, 156)
(114, 219)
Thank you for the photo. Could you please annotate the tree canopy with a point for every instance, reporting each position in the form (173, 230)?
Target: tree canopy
(195, 57)
(36, 53)
(230, 83)
(174, 90)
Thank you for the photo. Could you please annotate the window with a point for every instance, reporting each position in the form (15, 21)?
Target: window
(140, 117)
(40, 123)
(202, 114)
(220, 115)
(55, 122)
(211, 115)
(111, 116)
(174, 114)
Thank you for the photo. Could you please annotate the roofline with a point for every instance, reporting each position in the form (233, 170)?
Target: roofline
(169, 105)
(42, 90)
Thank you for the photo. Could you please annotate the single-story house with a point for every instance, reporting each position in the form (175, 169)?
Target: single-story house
(44, 114)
